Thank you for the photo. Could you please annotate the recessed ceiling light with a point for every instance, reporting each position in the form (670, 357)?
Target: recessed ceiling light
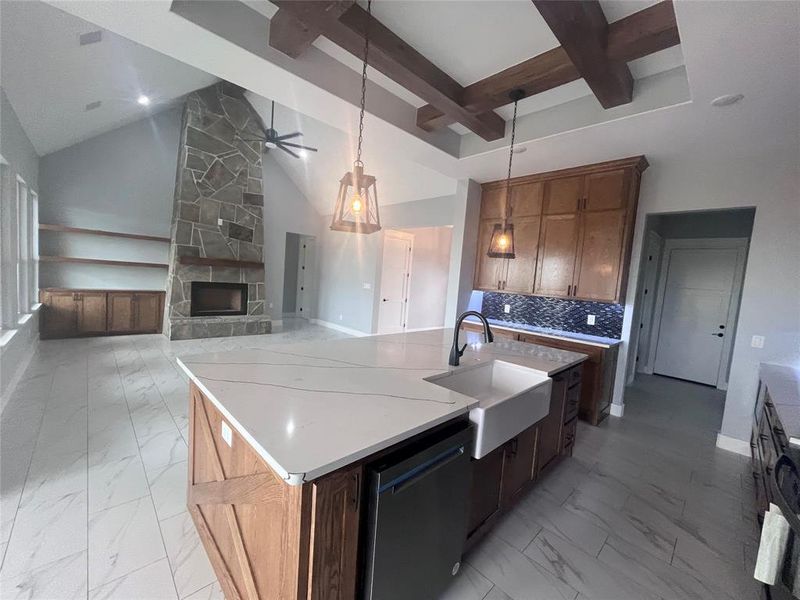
(92, 37)
(302, 153)
(726, 100)
(143, 100)
(519, 149)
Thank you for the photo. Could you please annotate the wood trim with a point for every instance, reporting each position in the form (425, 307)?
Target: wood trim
(220, 262)
(230, 514)
(637, 162)
(292, 36)
(117, 234)
(107, 291)
(101, 261)
(638, 35)
(249, 489)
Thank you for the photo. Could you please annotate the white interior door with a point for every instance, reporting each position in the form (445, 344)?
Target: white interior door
(305, 277)
(694, 316)
(395, 280)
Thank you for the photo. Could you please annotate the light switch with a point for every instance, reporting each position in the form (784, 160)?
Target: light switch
(367, 286)
(227, 434)
(219, 222)
(506, 308)
(590, 319)
(341, 317)
(757, 341)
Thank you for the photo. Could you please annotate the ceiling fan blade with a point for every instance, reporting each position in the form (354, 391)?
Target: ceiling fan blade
(285, 149)
(309, 148)
(287, 136)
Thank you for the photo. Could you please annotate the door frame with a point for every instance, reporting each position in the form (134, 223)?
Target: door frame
(651, 273)
(409, 237)
(739, 244)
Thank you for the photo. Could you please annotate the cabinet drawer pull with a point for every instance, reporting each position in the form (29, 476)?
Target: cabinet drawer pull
(569, 290)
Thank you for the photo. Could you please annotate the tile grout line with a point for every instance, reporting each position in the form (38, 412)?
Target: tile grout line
(147, 482)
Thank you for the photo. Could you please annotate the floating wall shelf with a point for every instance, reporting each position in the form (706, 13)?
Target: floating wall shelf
(100, 261)
(132, 236)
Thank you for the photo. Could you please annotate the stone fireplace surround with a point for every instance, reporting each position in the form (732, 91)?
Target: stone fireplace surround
(217, 213)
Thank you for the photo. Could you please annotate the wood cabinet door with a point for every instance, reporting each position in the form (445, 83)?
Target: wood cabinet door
(550, 427)
(600, 255)
(558, 243)
(334, 551)
(489, 272)
(607, 191)
(487, 479)
(526, 199)
(147, 313)
(120, 312)
(563, 195)
(91, 313)
(493, 202)
(518, 466)
(521, 271)
(60, 314)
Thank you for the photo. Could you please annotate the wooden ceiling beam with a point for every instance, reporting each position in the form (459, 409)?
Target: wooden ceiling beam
(582, 30)
(292, 36)
(393, 57)
(638, 35)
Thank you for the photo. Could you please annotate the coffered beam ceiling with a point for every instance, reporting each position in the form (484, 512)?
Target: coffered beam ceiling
(590, 48)
(635, 36)
(393, 57)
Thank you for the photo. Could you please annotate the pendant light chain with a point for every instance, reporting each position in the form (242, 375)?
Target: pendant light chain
(511, 158)
(364, 83)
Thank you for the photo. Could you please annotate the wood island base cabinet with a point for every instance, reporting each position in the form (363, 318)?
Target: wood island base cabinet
(268, 540)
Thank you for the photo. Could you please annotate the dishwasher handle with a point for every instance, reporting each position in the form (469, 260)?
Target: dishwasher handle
(412, 476)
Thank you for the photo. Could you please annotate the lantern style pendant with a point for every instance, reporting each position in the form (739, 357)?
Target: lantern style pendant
(356, 207)
(502, 243)
(357, 203)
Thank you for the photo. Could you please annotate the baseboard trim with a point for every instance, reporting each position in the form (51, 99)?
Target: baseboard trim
(342, 328)
(617, 410)
(732, 444)
(17, 377)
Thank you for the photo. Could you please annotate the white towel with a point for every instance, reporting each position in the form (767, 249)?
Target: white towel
(772, 548)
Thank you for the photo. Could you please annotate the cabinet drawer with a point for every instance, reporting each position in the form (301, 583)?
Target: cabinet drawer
(568, 435)
(572, 403)
(574, 376)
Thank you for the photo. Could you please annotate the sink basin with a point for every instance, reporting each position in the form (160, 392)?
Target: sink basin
(512, 398)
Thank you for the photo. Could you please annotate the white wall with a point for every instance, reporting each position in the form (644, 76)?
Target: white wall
(770, 303)
(19, 338)
(122, 180)
(286, 209)
(430, 267)
(348, 263)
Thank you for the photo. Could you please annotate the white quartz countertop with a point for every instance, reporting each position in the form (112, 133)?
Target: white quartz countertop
(311, 408)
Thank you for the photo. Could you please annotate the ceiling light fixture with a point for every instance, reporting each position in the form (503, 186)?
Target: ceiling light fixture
(502, 243)
(143, 100)
(356, 208)
(727, 100)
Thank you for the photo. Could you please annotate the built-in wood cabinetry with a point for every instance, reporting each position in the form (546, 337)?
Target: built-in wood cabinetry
(77, 313)
(572, 232)
(503, 475)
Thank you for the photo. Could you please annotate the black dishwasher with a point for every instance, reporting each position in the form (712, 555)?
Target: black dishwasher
(418, 504)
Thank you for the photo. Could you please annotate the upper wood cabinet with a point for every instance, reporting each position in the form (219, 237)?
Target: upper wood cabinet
(585, 222)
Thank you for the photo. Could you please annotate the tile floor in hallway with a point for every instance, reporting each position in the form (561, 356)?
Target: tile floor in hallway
(93, 482)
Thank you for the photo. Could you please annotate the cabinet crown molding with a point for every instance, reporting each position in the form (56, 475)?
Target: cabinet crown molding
(639, 163)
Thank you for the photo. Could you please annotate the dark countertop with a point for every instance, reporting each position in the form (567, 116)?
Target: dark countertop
(594, 340)
(783, 383)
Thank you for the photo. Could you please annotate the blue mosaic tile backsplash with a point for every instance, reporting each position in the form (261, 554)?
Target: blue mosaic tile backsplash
(556, 313)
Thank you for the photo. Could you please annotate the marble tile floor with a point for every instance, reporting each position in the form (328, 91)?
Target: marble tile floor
(92, 484)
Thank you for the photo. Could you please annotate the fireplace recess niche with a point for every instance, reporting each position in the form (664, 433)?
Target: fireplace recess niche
(218, 299)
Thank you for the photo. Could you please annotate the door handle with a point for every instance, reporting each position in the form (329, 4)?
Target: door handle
(385, 299)
(718, 334)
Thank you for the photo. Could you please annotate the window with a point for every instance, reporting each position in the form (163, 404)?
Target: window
(22, 248)
(33, 251)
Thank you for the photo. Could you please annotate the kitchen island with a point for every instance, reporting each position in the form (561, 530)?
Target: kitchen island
(279, 439)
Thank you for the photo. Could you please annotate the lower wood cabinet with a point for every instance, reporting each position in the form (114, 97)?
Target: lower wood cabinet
(77, 313)
(501, 477)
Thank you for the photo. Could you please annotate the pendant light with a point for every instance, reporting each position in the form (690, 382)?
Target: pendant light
(502, 243)
(357, 201)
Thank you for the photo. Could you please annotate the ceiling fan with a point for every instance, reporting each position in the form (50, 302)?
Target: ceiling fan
(272, 140)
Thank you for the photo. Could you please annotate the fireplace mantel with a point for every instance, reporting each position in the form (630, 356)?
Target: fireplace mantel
(220, 262)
